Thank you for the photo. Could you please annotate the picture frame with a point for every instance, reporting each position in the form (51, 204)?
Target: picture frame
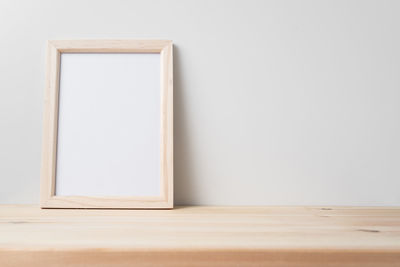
(53, 166)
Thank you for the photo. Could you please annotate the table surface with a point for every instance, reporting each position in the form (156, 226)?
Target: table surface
(268, 236)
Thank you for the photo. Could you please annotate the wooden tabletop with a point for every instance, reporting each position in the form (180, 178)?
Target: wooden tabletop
(200, 236)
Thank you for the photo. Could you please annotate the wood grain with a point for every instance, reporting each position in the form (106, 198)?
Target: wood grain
(201, 236)
(50, 123)
(167, 134)
(110, 46)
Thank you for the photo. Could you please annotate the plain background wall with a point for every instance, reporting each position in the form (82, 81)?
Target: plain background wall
(276, 102)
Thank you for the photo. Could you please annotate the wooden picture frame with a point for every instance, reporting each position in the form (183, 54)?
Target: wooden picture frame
(48, 196)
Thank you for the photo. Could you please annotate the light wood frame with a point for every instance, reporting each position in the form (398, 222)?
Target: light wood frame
(50, 124)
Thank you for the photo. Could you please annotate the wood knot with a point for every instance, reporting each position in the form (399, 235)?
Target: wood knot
(18, 222)
(368, 230)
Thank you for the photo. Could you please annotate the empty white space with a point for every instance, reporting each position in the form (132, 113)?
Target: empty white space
(109, 125)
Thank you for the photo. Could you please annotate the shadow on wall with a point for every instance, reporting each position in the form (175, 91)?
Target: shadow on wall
(184, 188)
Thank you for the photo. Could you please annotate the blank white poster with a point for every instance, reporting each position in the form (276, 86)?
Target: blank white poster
(109, 125)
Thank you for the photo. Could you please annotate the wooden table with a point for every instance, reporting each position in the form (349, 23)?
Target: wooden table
(200, 236)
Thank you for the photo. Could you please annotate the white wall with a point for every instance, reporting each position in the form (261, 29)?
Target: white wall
(276, 102)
